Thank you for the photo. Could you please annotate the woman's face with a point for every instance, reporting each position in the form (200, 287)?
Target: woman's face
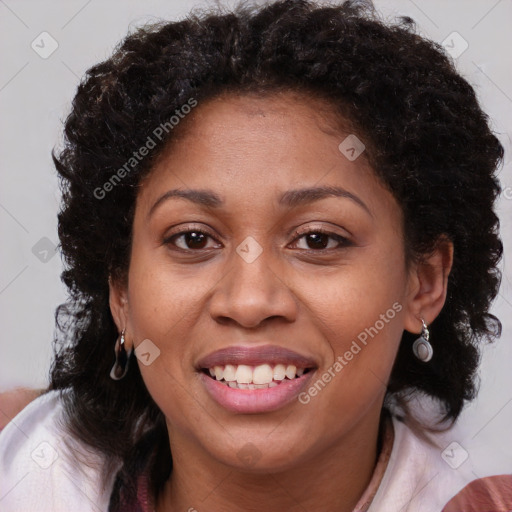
(253, 257)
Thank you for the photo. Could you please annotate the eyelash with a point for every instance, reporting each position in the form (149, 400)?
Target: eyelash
(342, 241)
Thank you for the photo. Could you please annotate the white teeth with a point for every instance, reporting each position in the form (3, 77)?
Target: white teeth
(229, 372)
(279, 372)
(291, 369)
(262, 374)
(219, 372)
(236, 385)
(243, 374)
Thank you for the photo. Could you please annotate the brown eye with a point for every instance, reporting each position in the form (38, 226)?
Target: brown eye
(189, 240)
(317, 240)
(195, 240)
(322, 240)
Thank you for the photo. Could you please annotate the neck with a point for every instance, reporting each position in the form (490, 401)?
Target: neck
(333, 480)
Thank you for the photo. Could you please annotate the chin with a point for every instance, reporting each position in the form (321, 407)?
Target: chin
(259, 455)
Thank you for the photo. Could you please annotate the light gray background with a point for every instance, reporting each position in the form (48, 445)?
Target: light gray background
(35, 95)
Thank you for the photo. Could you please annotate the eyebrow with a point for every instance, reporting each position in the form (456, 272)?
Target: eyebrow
(290, 198)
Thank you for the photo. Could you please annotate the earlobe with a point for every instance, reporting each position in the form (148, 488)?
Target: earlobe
(118, 302)
(428, 285)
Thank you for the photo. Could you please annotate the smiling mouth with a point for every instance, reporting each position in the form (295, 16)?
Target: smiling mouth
(263, 376)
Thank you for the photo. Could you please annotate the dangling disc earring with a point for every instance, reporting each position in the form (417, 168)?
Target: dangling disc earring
(421, 347)
(120, 367)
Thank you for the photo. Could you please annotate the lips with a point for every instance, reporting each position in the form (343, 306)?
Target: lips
(226, 386)
(255, 356)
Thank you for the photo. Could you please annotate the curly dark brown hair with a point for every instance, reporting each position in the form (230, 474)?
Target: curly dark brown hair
(426, 138)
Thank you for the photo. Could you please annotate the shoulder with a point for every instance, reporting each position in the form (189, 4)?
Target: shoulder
(43, 468)
(435, 476)
(13, 401)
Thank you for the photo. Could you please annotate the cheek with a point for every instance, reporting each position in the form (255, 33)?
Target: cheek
(153, 305)
(356, 296)
(162, 299)
(359, 311)
(160, 316)
(163, 311)
(363, 333)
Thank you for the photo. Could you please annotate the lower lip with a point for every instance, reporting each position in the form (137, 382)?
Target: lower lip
(251, 401)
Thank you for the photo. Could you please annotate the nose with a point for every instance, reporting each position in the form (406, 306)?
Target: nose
(251, 293)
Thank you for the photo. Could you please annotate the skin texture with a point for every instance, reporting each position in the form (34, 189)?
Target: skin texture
(249, 150)
(14, 401)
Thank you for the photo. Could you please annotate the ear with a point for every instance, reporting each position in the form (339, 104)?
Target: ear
(119, 306)
(427, 285)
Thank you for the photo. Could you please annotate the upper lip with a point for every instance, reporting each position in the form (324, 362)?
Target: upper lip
(254, 356)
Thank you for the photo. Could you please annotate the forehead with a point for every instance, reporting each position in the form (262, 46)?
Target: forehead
(242, 127)
(255, 109)
(259, 145)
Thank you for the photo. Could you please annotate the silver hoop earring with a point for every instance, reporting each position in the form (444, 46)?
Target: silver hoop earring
(421, 347)
(120, 367)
